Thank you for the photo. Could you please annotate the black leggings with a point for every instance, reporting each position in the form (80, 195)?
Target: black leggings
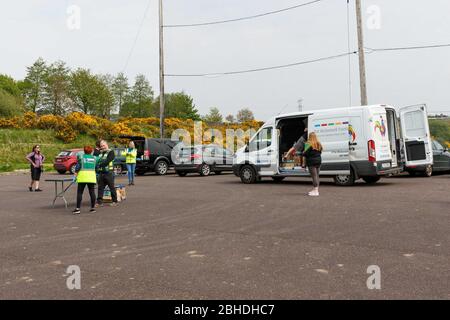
(91, 187)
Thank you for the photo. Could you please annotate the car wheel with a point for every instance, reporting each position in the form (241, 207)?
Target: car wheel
(161, 168)
(72, 168)
(428, 171)
(247, 174)
(345, 180)
(278, 179)
(182, 173)
(61, 171)
(371, 180)
(205, 170)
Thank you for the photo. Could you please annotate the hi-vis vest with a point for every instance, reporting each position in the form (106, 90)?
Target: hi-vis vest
(130, 155)
(87, 169)
(102, 157)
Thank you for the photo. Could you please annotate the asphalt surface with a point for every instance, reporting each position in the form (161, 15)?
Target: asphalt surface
(216, 238)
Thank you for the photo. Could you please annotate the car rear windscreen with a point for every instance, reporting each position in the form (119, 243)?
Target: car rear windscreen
(64, 154)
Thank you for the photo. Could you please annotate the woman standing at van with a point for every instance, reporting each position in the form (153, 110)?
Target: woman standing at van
(131, 154)
(36, 160)
(313, 156)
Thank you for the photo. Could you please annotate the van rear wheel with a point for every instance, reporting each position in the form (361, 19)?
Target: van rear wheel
(345, 180)
(371, 180)
(428, 171)
(247, 174)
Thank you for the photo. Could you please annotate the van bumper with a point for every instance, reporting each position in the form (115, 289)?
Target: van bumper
(379, 168)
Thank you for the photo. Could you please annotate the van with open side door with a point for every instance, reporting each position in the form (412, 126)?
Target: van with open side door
(365, 142)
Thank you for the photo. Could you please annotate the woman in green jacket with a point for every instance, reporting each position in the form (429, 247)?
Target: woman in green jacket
(86, 177)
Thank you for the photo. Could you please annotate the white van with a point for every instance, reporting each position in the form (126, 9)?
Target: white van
(358, 142)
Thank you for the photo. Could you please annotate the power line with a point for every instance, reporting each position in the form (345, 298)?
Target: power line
(137, 36)
(408, 48)
(262, 69)
(242, 18)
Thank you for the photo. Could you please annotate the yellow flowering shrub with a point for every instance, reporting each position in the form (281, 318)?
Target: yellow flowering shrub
(67, 128)
(82, 122)
(49, 121)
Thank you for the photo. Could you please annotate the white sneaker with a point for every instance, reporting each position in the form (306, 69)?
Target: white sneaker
(314, 193)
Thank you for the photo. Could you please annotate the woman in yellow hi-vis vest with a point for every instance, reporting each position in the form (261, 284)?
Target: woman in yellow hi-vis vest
(86, 176)
(130, 154)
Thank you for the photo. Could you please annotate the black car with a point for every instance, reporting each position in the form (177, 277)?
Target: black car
(153, 155)
(441, 162)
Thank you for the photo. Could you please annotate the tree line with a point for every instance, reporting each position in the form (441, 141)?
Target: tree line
(54, 88)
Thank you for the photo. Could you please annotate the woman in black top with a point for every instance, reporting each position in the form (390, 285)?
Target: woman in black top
(313, 156)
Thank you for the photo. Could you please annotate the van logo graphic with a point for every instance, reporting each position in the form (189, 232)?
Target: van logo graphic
(381, 126)
(351, 133)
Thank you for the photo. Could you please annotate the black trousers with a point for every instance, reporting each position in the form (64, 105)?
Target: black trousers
(106, 179)
(80, 190)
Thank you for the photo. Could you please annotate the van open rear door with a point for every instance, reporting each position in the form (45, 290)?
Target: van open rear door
(416, 135)
(332, 131)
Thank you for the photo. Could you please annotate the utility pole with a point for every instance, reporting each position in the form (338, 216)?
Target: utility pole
(362, 63)
(161, 71)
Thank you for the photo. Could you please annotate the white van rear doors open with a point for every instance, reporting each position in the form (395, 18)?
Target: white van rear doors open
(333, 132)
(416, 135)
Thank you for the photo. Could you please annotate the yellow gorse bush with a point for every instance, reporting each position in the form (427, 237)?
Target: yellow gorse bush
(67, 128)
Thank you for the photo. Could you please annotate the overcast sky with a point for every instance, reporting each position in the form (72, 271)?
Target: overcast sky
(38, 28)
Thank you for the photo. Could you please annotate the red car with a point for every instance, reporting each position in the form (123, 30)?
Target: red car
(66, 160)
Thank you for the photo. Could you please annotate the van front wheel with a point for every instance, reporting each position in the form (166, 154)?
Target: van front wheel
(371, 180)
(247, 174)
(345, 180)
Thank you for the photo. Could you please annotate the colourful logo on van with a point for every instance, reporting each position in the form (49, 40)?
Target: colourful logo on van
(351, 133)
(381, 126)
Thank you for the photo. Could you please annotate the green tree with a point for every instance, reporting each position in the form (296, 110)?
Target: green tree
(11, 98)
(9, 85)
(177, 105)
(230, 118)
(213, 116)
(104, 98)
(83, 90)
(120, 90)
(33, 86)
(9, 105)
(56, 90)
(245, 115)
(138, 103)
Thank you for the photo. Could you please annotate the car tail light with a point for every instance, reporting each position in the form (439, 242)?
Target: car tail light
(195, 156)
(371, 150)
(146, 154)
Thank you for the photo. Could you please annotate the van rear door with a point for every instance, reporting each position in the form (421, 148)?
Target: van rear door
(416, 135)
(332, 130)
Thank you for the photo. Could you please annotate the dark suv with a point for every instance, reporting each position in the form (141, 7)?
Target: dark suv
(153, 155)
